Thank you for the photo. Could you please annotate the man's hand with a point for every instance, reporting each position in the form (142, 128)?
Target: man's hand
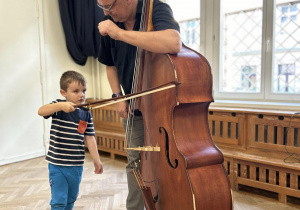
(107, 27)
(122, 109)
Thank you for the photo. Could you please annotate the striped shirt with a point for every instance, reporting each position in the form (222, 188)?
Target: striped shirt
(67, 136)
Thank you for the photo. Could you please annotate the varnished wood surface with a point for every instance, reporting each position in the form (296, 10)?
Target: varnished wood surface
(24, 186)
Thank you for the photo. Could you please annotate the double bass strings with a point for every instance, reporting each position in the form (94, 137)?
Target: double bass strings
(132, 103)
(141, 182)
(136, 71)
(139, 178)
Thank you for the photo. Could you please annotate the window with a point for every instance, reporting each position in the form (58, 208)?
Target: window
(252, 45)
(241, 46)
(286, 70)
(188, 16)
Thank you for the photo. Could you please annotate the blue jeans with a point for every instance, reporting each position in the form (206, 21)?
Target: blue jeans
(64, 182)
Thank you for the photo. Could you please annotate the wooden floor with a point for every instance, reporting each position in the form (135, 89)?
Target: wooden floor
(24, 186)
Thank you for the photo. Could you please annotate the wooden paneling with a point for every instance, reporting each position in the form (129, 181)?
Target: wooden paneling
(266, 155)
(110, 135)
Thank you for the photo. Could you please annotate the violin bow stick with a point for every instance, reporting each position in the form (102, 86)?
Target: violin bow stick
(107, 102)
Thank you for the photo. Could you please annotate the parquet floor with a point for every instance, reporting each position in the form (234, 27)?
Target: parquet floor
(24, 186)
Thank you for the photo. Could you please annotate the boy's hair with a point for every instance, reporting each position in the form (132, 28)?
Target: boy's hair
(70, 76)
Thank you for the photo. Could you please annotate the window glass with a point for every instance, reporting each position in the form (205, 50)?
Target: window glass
(286, 70)
(188, 16)
(241, 44)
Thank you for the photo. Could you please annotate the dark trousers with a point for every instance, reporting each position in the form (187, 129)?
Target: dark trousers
(135, 138)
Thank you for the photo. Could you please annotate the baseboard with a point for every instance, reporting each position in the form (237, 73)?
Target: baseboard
(22, 157)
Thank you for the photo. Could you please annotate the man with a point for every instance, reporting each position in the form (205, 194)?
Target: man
(120, 37)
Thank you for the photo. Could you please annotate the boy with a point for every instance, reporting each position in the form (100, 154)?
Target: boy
(70, 128)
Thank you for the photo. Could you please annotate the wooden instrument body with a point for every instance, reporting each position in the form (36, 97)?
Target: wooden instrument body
(188, 168)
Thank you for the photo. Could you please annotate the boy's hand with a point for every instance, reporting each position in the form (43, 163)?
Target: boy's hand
(55, 107)
(67, 106)
(98, 167)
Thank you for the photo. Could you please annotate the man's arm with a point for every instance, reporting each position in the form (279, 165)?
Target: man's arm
(166, 41)
(112, 76)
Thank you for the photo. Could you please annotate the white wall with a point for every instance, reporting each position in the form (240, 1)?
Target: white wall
(20, 127)
(33, 55)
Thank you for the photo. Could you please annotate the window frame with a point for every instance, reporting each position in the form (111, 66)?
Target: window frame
(211, 47)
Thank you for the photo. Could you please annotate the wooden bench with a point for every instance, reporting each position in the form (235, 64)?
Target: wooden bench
(109, 132)
(254, 144)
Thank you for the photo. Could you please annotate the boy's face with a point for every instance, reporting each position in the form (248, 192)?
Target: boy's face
(75, 93)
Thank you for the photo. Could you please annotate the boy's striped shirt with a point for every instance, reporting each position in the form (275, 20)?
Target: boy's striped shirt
(67, 136)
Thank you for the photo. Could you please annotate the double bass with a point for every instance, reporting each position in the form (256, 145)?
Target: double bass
(186, 170)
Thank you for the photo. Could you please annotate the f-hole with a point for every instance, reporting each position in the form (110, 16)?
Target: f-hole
(167, 148)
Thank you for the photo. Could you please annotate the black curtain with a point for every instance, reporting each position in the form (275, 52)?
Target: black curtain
(80, 20)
